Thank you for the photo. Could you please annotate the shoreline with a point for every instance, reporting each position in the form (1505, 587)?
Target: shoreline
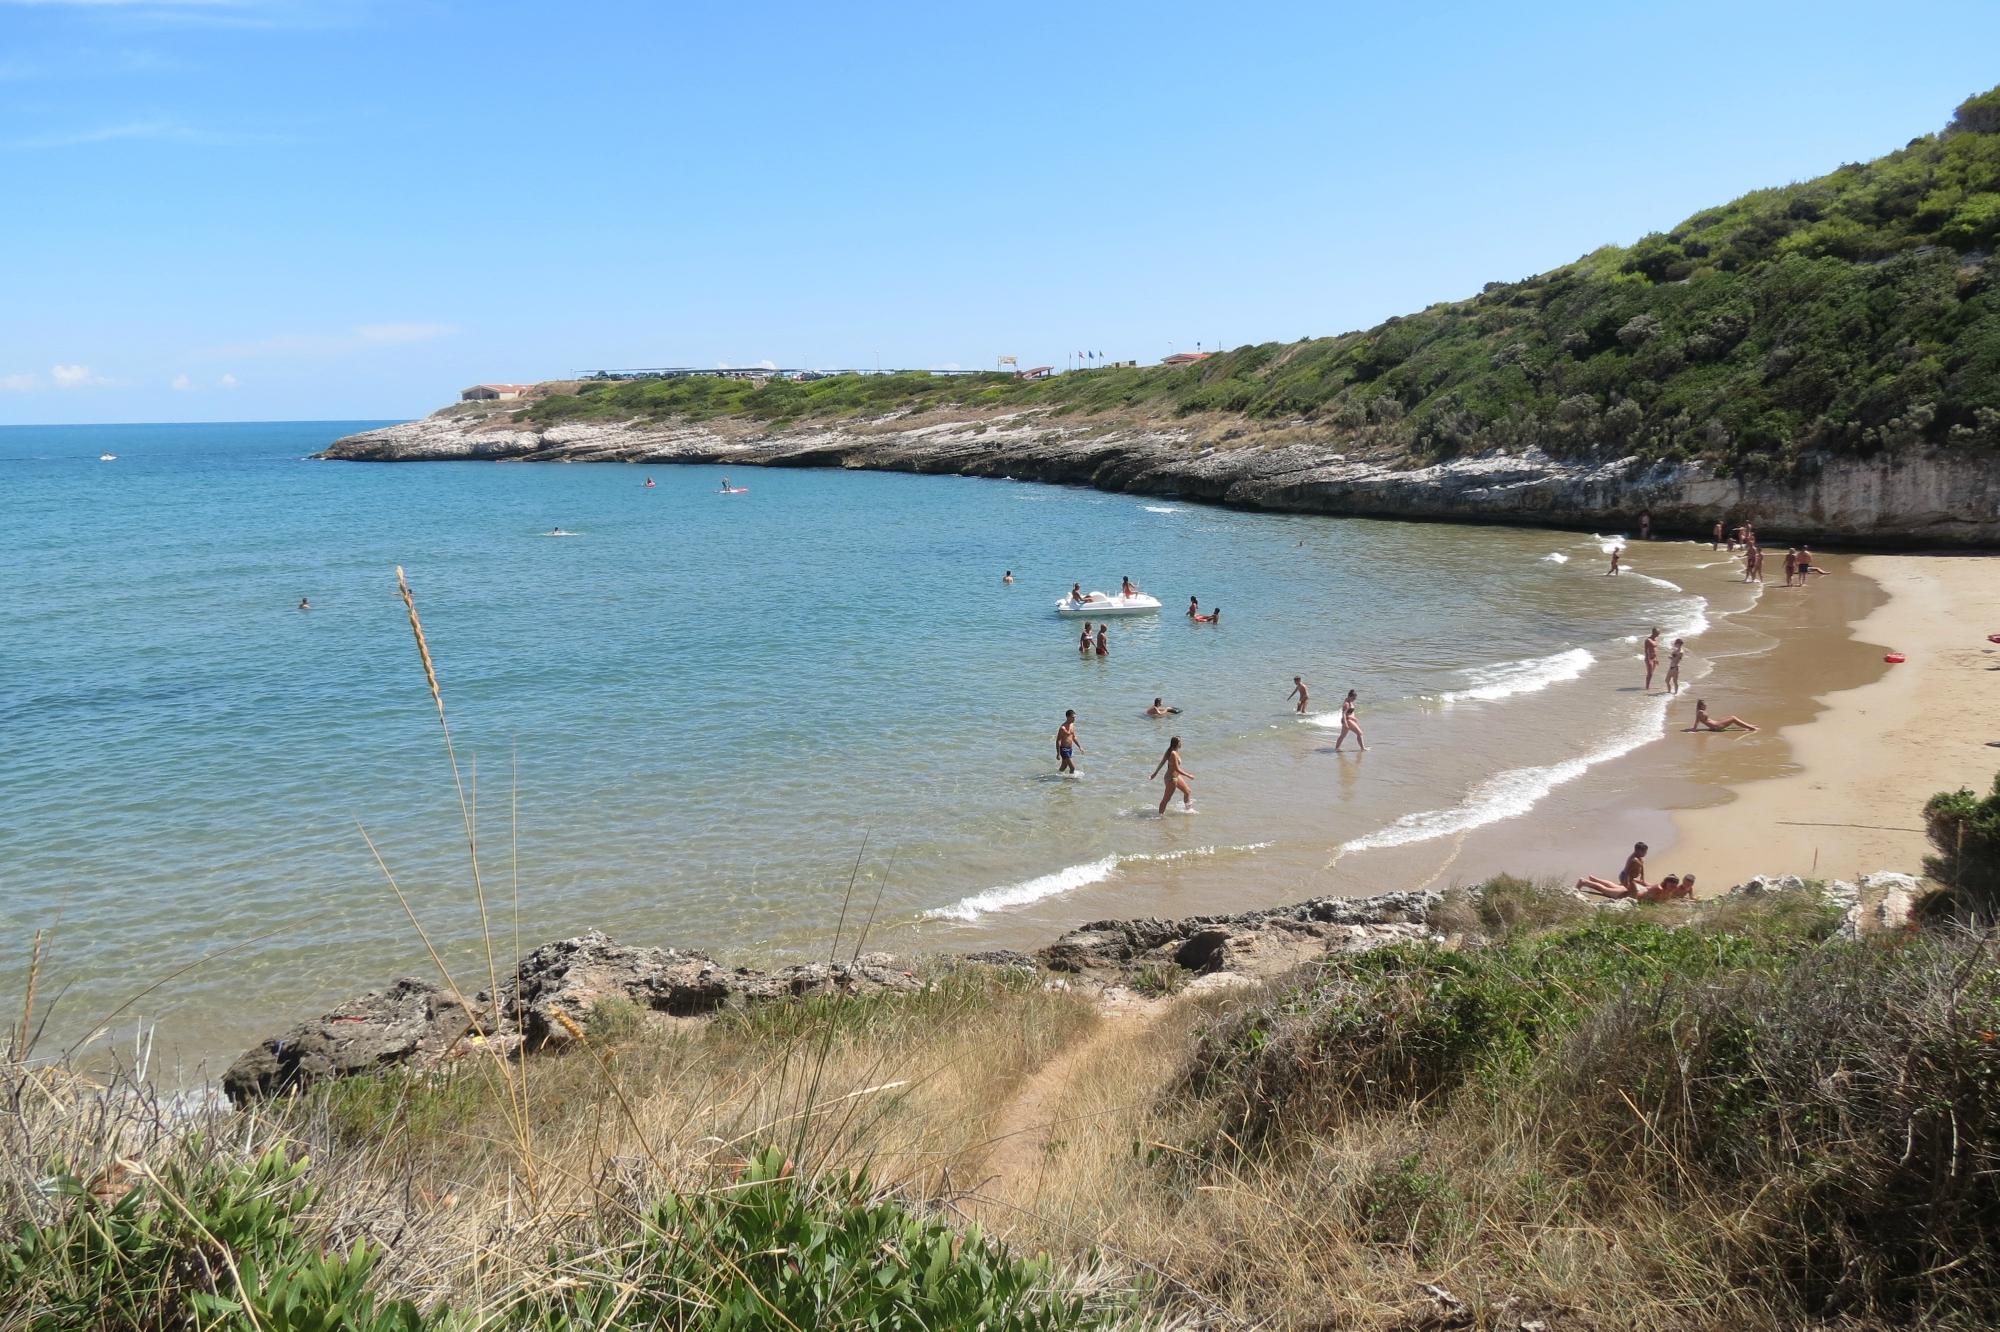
(1855, 773)
(1922, 499)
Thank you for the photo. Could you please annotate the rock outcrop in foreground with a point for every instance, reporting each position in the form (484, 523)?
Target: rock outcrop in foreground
(1924, 497)
(546, 1001)
(549, 1000)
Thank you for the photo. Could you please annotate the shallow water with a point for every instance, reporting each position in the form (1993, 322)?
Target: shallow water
(694, 721)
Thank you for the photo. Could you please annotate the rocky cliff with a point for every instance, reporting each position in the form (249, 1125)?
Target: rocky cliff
(1926, 497)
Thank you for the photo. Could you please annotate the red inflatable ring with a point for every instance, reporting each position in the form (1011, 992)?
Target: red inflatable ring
(1993, 638)
(1895, 659)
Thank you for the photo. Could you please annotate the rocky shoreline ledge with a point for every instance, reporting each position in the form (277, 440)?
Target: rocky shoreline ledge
(1923, 498)
(547, 1000)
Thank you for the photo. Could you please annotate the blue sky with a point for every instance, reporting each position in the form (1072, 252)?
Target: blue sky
(262, 209)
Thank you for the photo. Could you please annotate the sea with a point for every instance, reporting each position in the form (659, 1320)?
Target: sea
(798, 721)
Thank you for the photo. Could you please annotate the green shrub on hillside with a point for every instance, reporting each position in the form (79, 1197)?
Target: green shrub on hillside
(231, 1247)
(1965, 829)
(218, 1247)
(1405, 1023)
(773, 1251)
(1825, 1113)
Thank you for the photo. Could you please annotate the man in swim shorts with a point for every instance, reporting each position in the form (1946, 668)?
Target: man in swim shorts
(1160, 709)
(1066, 745)
(1298, 692)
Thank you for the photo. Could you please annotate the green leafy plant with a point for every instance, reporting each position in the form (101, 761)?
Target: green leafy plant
(775, 1251)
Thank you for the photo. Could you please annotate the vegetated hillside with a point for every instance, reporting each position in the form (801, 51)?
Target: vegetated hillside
(1848, 314)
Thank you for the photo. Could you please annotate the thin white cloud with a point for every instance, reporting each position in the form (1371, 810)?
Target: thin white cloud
(128, 4)
(74, 376)
(143, 131)
(180, 384)
(228, 381)
(208, 13)
(397, 333)
(20, 383)
(362, 337)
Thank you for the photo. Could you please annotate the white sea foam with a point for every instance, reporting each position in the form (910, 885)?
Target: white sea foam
(1607, 544)
(1555, 557)
(1509, 794)
(1067, 880)
(1159, 508)
(1508, 678)
(1656, 582)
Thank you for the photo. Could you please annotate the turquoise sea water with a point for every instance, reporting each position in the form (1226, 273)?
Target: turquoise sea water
(687, 718)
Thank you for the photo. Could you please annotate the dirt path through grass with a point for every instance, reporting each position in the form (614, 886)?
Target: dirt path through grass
(1027, 1125)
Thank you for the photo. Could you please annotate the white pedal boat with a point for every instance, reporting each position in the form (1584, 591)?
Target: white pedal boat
(1104, 606)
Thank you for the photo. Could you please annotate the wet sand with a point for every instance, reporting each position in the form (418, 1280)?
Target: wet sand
(1853, 772)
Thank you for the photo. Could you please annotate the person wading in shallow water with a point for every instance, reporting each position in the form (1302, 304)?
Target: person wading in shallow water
(1652, 656)
(1298, 692)
(1349, 726)
(1066, 745)
(1177, 776)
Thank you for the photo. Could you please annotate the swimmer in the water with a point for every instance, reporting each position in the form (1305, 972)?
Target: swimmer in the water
(1066, 745)
(1083, 644)
(1007, 577)
(1103, 640)
(649, 483)
(1704, 722)
(1213, 617)
(1178, 777)
(1349, 726)
(1194, 608)
(305, 604)
(1160, 709)
(1298, 692)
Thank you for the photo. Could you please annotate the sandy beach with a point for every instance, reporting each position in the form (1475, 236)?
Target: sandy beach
(1855, 774)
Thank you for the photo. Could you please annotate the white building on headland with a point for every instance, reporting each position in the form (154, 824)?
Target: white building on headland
(493, 392)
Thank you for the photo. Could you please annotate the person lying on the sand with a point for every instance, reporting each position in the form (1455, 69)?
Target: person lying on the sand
(1704, 722)
(1631, 879)
(1670, 889)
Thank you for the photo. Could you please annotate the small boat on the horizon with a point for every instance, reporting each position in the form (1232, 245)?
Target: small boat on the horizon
(107, 457)
(1099, 605)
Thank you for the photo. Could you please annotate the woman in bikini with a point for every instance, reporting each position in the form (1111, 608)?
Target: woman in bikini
(1704, 722)
(1083, 644)
(1348, 725)
(1674, 666)
(1177, 776)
